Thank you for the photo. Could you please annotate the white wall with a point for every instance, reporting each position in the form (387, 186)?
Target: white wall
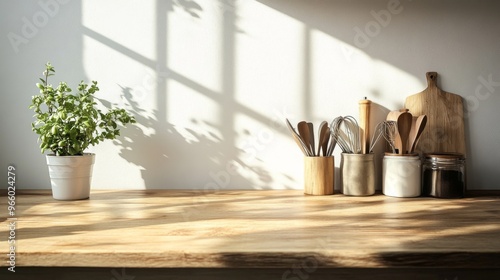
(211, 81)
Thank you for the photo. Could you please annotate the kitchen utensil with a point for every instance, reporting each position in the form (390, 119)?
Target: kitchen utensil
(304, 133)
(416, 131)
(332, 143)
(377, 134)
(413, 131)
(311, 138)
(323, 126)
(297, 139)
(326, 141)
(445, 124)
(393, 116)
(364, 124)
(389, 129)
(404, 127)
(345, 130)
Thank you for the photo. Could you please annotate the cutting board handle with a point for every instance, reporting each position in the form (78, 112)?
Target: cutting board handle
(431, 79)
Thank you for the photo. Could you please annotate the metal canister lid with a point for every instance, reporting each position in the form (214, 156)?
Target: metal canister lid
(444, 157)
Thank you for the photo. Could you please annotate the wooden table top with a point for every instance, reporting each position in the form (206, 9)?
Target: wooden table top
(231, 229)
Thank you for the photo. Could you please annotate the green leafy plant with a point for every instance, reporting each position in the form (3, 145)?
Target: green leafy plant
(68, 123)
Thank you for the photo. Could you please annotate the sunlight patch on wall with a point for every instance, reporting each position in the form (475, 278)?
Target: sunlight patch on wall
(120, 55)
(339, 70)
(269, 64)
(389, 82)
(120, 87)
(194, 47)
(336, 72)
(131, 24)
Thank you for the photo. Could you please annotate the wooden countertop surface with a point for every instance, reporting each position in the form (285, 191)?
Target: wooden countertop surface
(234, 229)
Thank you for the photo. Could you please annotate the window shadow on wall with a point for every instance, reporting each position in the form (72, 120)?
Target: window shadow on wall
(166, 157)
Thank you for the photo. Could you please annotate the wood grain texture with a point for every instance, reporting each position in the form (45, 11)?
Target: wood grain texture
(319, 175)
(364, 124)
(253, 229)
(444, 131)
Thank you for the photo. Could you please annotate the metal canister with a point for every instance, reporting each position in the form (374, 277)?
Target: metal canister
(443, 175)
(357, 173)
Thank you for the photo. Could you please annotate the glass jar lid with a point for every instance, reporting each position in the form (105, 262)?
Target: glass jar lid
(445, 157)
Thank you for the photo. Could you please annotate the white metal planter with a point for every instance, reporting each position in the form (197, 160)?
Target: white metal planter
(70, 176)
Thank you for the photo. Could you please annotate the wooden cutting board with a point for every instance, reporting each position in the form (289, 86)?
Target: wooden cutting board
(444, 131)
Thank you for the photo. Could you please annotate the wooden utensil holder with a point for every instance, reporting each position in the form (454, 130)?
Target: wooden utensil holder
(318, 175)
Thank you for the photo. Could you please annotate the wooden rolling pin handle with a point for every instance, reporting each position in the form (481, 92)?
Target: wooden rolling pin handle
(364, 124)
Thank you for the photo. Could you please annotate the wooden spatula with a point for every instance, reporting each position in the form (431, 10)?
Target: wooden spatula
(416, 130)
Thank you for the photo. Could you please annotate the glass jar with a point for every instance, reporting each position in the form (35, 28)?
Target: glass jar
(443, 175)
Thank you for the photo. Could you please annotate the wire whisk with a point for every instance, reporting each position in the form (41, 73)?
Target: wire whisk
(389, 131)
(345, 131)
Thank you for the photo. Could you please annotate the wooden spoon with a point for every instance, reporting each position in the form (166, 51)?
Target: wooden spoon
(311, 138)
(321, 135)
(419, 128)
(297, 139)
(325, 142)
(413, 133)
(305, 135)
(404, 127)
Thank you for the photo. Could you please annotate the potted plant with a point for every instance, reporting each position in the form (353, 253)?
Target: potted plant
(67, 124)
